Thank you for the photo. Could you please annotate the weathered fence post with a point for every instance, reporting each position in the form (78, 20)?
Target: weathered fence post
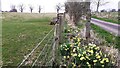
(56, 41)
(88, 18)
(58, 38)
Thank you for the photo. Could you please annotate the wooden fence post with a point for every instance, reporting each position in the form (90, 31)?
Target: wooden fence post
(58, 38)
(88, 28)
(54, 46)
(60, 30)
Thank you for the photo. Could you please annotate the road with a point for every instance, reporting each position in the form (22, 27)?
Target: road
(110, 27)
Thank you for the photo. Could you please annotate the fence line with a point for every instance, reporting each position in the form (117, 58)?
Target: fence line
(53, 49)
(41, 52)
(35, 48)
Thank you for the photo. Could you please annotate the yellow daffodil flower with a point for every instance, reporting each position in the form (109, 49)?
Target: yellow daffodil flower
(84, 52)
(69, 30)
(94, 61)
(113, 62)
(68, 56)
(74, 50)
(87, 57)
(89, 65)
(87, 62)
(64, 65)
(100, 53)
(102, 62)
(102, 65)
(78, 39)
(74, 54)
(79, 55)
(78, 34)
(66, 49)
(106, 59)
(82, 58)
(71, 45)
(64, 57)
(73, 65)
(77, 47)
(98, 57)
(91, 51)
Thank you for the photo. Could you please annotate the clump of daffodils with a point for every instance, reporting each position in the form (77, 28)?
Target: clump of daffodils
(92, 56)
(88, 56)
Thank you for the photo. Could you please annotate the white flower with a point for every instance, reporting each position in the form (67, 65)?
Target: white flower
(74, 50)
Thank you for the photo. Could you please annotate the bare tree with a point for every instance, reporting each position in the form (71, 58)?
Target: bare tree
(13, 8)
(58, 7)
(21, 7)
(99, 3)
(39, 9)
(76, 10)
(31, 8)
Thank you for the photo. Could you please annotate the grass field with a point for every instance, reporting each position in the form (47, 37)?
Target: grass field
(21, 32)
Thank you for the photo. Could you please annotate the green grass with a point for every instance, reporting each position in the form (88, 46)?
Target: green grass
(111, 39)
(21, 32)
(106, 19)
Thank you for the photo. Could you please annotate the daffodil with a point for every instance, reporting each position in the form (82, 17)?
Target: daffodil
(84, 52)
(82, 58)
(64, 57)
(102, 65)
(89, 65)
(78, 39)
(105, 55)
(77, 47)
(78, 34)
(74, 55)
(94, 61)
(64, 65)
(73, 64)
(87, 62)
(90, 44)
(79, 44)
(106, 59)
(97, 48)
(102, 62)
(113, 62)
(79, 55)
(100, 53)
(74, 50)
(71, 45)
(68, 56)
(98, 57)
(91, 51)
(66, 49)
(68, 30)
(87, 57)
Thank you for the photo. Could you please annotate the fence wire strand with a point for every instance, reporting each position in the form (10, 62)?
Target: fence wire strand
(42, 51)
(35, 48)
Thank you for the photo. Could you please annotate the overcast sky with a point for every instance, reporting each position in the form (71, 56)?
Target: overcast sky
(48, 5)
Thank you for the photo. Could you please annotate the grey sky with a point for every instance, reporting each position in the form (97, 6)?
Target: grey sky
(48, 5)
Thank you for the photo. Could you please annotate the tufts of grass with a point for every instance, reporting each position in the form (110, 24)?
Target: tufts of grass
(46, 19)
(106, 19)
(111, 39)
(20, 34)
